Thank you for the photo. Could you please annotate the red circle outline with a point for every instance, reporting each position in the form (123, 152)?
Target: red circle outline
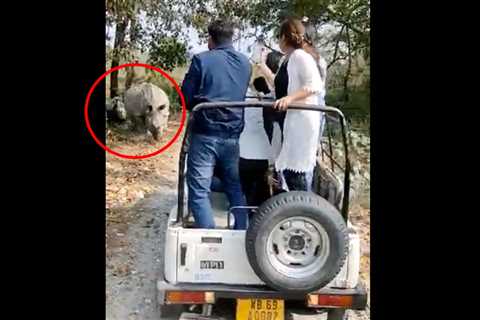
(126, 156)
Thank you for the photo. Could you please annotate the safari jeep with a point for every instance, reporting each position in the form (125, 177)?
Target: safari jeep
(299, 247)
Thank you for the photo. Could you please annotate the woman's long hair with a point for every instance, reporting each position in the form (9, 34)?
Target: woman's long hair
(299, 37)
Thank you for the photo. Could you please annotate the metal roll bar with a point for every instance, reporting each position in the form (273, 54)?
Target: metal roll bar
(260, 104)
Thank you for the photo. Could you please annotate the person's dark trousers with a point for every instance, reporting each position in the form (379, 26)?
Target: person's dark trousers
(296, 181)
(204, 154)
(254, 182)
(270, 116)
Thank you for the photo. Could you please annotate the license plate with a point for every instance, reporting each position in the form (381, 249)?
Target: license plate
(260, 309)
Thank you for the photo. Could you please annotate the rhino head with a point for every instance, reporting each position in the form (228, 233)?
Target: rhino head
(156, 120)
(119, 108)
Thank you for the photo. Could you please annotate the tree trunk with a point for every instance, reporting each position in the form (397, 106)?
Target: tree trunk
(346, 93)
(120, 32)
(337, 43)
(133, 38)
(130, 76)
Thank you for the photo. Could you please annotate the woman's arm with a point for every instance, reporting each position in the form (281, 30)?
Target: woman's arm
(267, 73)
(302, 64)
(283, 103)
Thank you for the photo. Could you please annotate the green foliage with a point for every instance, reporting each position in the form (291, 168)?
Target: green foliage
(167, 53)
(357, 107)
(165, 22)
(150, 25)
(350, 42)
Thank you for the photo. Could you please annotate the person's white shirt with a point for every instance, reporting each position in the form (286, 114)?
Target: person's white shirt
(254, 144)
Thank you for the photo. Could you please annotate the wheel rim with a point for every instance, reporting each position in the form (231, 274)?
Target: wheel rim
(298, 247)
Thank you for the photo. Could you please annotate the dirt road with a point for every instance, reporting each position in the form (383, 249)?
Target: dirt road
(140, 194)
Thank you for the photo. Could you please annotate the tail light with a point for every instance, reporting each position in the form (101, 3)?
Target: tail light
(323, 300)
(189, 297)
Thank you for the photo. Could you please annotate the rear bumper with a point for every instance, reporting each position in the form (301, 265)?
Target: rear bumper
(359, 294)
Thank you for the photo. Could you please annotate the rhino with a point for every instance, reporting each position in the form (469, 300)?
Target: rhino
(147, 106)
(116, 110)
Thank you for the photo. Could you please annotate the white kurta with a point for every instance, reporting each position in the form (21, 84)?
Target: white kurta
(301, 128)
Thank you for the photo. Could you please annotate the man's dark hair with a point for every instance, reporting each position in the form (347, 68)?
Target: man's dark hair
(221, 31)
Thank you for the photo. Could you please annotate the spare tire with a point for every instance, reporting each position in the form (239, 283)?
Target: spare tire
(297, 242)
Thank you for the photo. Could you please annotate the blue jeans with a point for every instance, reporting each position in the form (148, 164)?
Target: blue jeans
(204, 154)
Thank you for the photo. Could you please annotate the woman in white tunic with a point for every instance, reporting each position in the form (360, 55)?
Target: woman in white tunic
(301, 129)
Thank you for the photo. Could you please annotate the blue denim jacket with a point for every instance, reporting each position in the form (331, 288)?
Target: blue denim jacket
(221, 74)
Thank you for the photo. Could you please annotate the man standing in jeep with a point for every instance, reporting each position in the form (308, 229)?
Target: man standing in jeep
(220, 74)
